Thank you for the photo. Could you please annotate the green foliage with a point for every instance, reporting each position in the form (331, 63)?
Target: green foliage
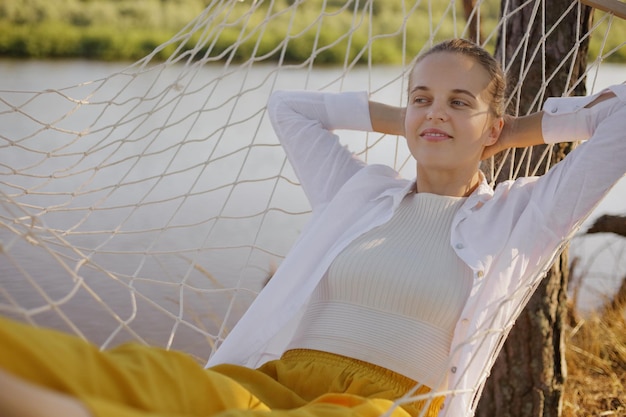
(616, 31)
(128, 30)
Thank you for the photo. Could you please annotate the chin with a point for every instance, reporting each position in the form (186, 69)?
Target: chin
(434, 164)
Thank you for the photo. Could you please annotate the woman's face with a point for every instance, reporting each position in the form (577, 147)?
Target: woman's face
(448, 119)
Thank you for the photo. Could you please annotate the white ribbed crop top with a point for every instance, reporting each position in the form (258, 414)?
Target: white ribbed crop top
(393, 296)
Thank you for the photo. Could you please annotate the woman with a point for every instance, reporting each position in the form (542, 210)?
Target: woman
(396, 287)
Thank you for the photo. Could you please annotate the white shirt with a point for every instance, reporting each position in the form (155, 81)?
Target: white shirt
(508, 237)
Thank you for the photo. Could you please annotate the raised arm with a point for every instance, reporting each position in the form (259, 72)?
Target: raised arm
(387, 119)
(525, 131)
(304, 122)
(573, 187)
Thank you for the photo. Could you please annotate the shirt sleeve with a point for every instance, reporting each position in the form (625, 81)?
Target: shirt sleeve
(572, 188)
(304, 122)
(567, 120)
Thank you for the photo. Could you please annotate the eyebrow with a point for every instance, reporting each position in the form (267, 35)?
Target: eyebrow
(455, 90)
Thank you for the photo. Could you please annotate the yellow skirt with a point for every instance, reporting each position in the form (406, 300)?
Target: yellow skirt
(133, 380)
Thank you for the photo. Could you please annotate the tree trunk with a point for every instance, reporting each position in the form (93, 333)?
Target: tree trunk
(528, 377)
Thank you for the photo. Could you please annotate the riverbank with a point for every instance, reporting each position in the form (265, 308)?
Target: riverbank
(126, 31)
(595, 352)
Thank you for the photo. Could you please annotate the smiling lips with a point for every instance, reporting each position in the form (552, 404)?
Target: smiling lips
(434, 135)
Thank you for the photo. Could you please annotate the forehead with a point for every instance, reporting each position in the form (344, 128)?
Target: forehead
(449, 71)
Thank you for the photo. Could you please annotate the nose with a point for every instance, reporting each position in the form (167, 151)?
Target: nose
(437, 112)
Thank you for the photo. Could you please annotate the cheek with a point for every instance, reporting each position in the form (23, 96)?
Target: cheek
(408, 130)
(481, 131)
(412, 121)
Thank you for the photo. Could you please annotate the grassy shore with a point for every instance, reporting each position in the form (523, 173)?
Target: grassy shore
(129, 30)
(596, 360)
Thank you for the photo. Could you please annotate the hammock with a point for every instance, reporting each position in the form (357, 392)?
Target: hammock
(153, 204)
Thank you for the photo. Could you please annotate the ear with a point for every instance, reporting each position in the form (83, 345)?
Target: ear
(497, 124)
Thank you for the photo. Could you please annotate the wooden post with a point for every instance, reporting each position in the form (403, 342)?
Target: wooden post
(610, 6)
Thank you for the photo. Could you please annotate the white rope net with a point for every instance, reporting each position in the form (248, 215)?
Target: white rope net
(152, 204)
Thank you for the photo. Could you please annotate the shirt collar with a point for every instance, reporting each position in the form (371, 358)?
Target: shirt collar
(480, 195)
(474, 201)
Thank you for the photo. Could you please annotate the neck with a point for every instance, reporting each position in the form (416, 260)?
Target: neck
(447, 183)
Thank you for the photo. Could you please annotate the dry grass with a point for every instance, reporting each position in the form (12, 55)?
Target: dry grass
(596, 361)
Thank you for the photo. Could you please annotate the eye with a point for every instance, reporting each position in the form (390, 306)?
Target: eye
(420, 100)
(459, 103)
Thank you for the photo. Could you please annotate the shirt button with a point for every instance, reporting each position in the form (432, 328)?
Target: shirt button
(459, 246)
(453, 369)
(465, 321)
(554, 109)
(480, 274)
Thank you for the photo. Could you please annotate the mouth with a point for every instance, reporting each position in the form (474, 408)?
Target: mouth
(434, 135)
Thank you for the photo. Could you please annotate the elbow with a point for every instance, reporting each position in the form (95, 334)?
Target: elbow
(278, 104)
(277, 99)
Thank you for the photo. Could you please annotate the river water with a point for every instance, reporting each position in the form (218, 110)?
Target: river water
(602, 257)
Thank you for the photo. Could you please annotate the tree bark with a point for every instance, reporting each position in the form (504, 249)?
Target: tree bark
(528, 377)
